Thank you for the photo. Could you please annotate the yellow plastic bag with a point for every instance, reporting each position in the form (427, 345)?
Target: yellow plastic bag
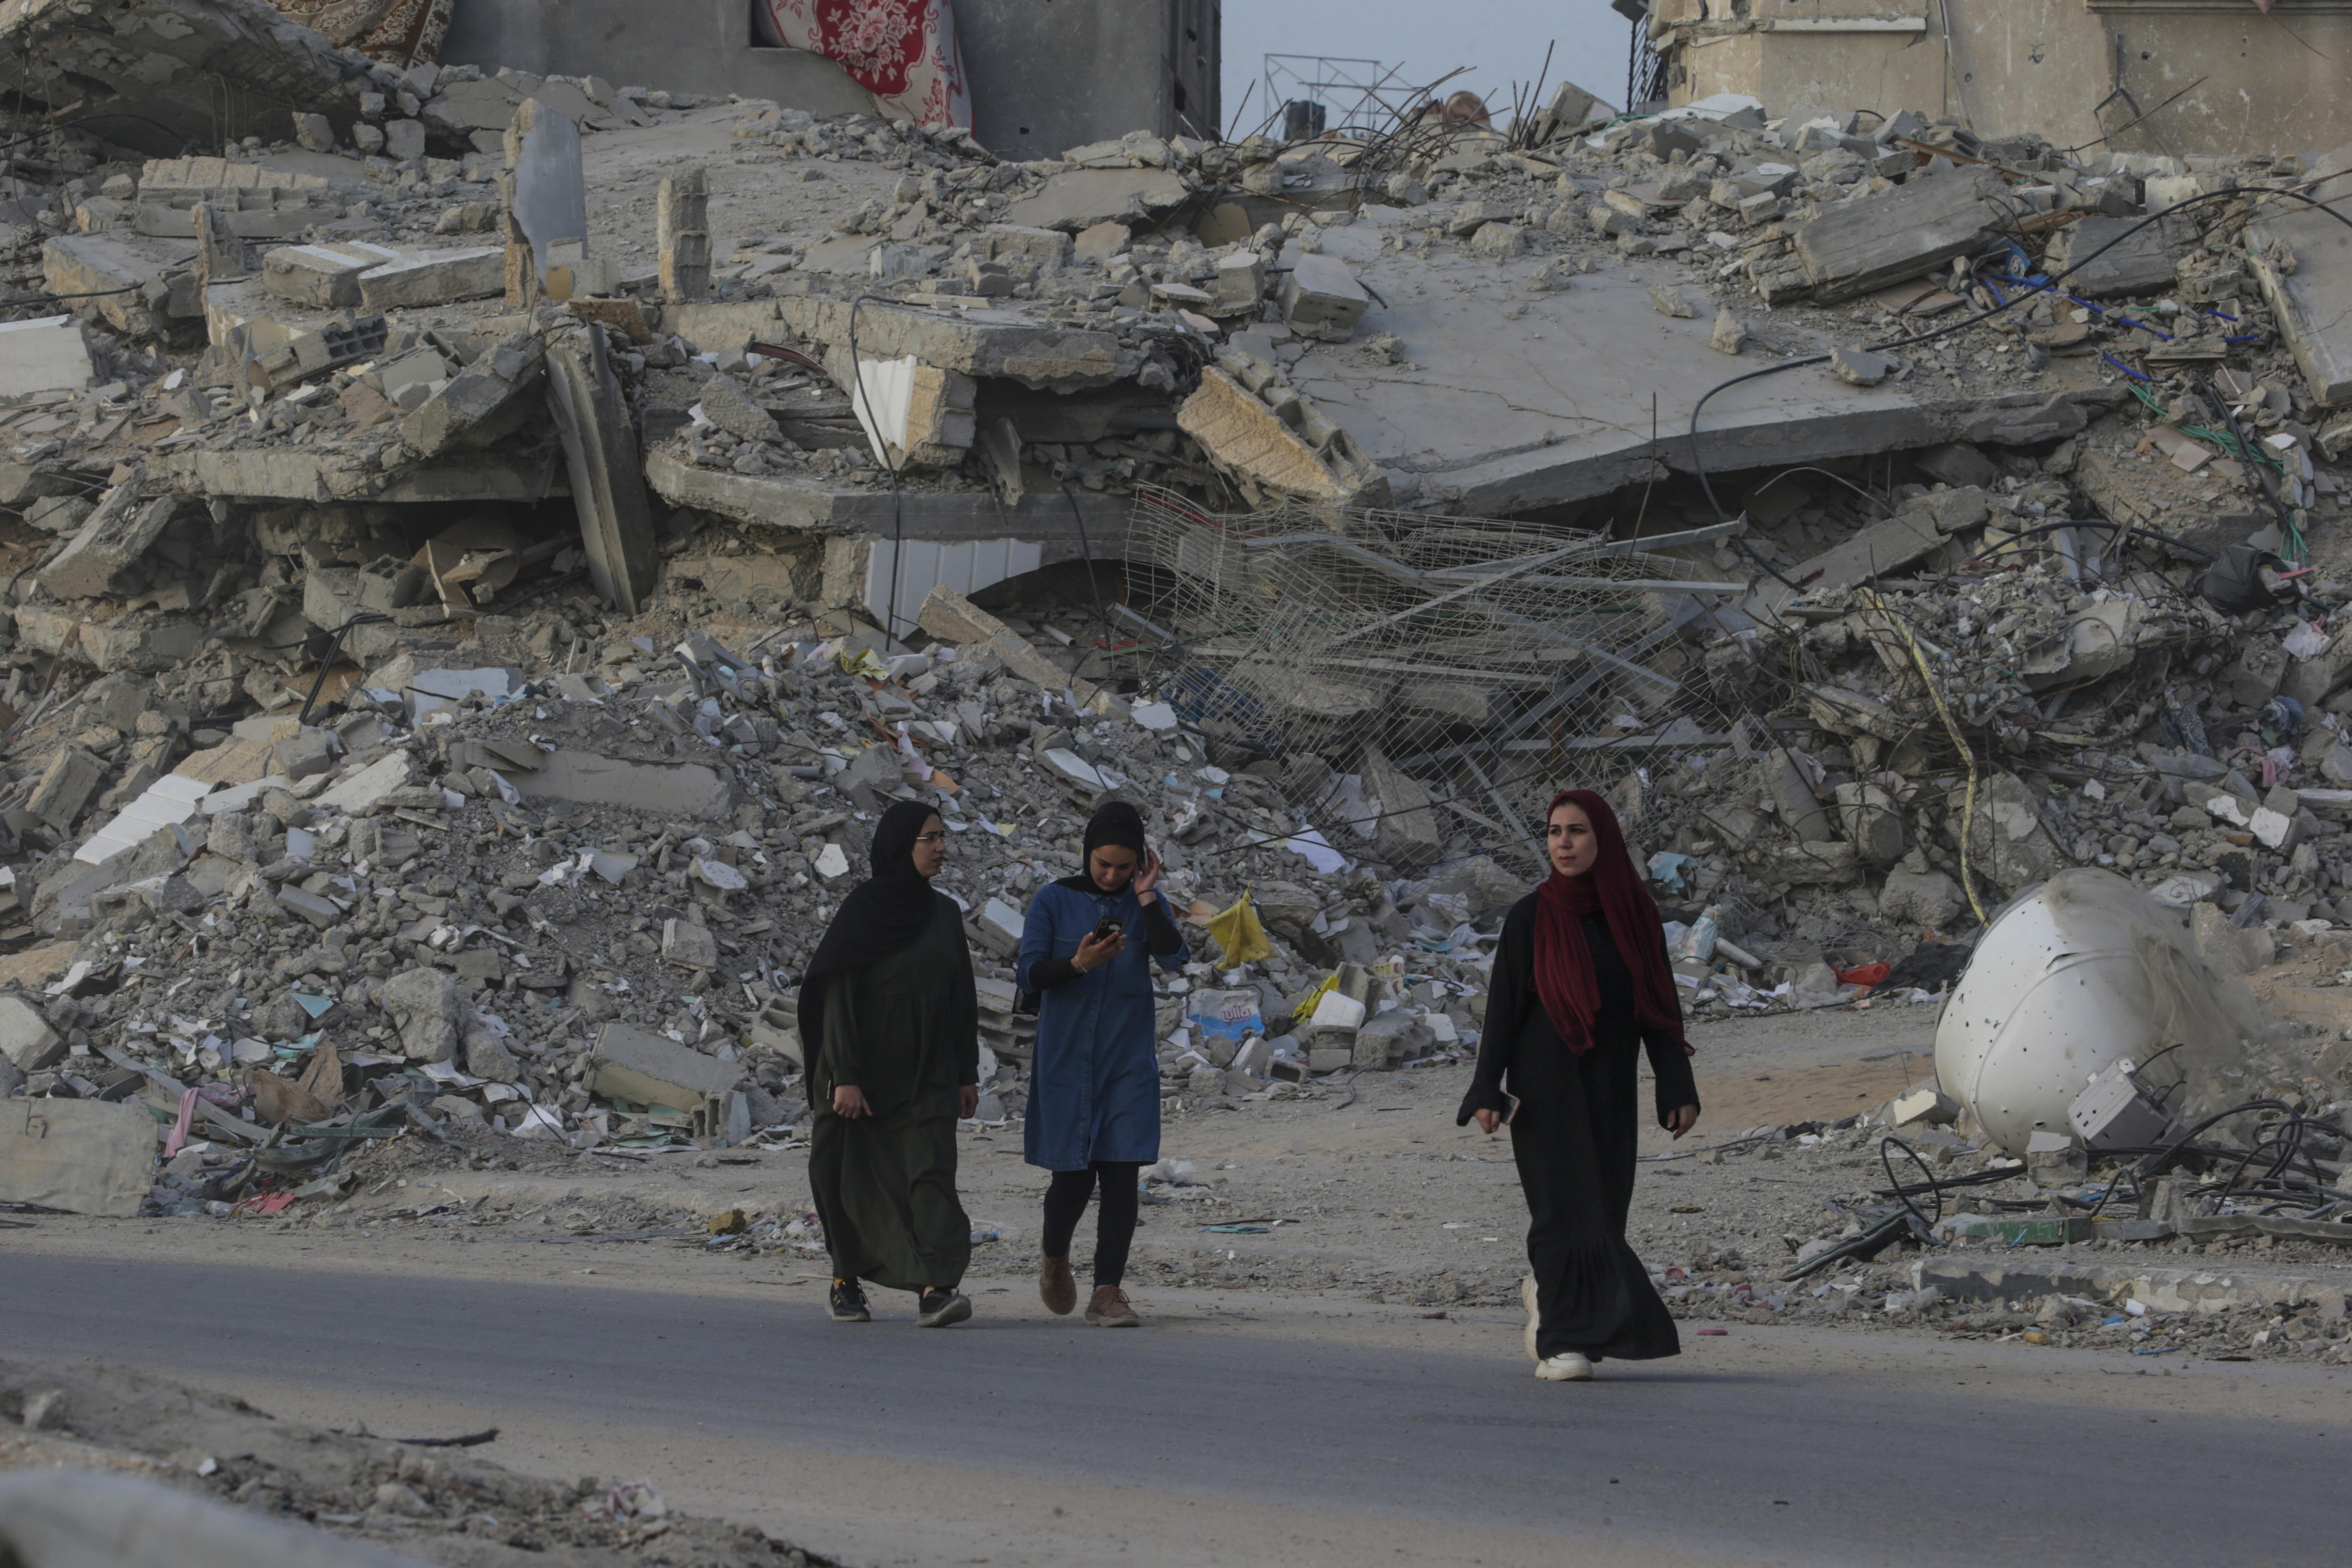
(1306, 1009)
(1239, 935)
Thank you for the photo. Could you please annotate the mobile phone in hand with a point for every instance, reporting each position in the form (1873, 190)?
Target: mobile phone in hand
(1108, 926)
(1510, 1114)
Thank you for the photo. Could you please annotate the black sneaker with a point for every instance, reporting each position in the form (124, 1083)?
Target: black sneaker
(849, 1304)
(937, 1309)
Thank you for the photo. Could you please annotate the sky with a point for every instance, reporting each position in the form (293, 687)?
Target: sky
(1501, 41)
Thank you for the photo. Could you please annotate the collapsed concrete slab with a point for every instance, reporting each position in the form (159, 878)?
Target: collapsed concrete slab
(199, 73)
(47, 353)
(83, 1156)
(1860, 246)
(126, 521)
(2303, 259)
(608, 485)
(985, 344)
(1304, 455)
(584, 778)
(1082, 198)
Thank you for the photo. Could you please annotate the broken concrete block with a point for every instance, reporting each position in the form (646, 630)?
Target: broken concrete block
(1321, 299)
(489, 400)
(121, 531)
(65, 787)
(1792, 795)
(1240, 287)
(1917, 898)
(1050, 248)
(1667, 301)
(314, 133)
(426, 1009)
(2007, 841)
(320, 912)
(435, 277)
(1923, 1107)
(1730, 333)
(1409, 836)
(1960, 464)
(1860, 246)
(2117, 255)
(58, 514)
(1084, 198)
(1872, 822)
(1500, 240)
(645, 1069)
(1245, 437)
(47, 353)
(1390, 1039)
(83, 1156)
(325, 277)
(1860, 367)
(729, 406)
(1102, 242)
(25, 1036)
(361, 793)
(404, 139)
(310, 750)
(688, 945)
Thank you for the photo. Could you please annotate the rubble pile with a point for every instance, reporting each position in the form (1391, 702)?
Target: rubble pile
(227, 1479)
(567, 897)
(463, 608)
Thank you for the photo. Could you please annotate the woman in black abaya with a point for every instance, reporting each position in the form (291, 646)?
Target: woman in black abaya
(1581, 984)
(891, 1030)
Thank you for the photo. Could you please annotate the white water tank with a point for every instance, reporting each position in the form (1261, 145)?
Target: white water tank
(2078, 974)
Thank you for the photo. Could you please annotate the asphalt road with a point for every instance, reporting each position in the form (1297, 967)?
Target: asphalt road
(1170, 1435)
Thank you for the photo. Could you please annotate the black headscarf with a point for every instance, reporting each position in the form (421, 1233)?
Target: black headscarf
(881, 916)
(1114, 822)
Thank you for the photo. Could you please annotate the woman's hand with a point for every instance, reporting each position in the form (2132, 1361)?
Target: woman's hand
(1096, 951)
(967, 1101)
(1682, 1119)
(1146, 878)
(850, 1101)
(1488, 1122)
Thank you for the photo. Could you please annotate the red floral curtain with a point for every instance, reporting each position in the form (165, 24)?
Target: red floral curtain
(398, 32)
(902, 51)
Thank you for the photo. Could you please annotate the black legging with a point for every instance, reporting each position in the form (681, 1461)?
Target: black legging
(1066, 1200)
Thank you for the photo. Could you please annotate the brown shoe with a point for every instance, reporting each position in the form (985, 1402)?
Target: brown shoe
(1057, 1287)
(1109, 1310)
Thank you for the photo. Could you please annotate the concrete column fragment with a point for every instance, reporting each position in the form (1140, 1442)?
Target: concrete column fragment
(682, 235)
(608, 485)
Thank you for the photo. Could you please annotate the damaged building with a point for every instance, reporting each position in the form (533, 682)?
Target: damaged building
(486, 541)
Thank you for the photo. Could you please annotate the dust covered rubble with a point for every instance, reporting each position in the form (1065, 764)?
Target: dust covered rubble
(213, 488)
(556, 879)
(106, 1442)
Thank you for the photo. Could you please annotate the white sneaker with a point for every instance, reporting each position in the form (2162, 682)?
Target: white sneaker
(1527, 1297)
(1566, 1367)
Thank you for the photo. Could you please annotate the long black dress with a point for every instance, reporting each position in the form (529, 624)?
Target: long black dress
(904, 1029)
(1574, 1140)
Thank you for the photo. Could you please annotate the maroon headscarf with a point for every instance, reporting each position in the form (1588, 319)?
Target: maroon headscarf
(1563, 959)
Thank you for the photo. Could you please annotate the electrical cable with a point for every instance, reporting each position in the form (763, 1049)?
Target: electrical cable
(1968, 753)
(2257, 480)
